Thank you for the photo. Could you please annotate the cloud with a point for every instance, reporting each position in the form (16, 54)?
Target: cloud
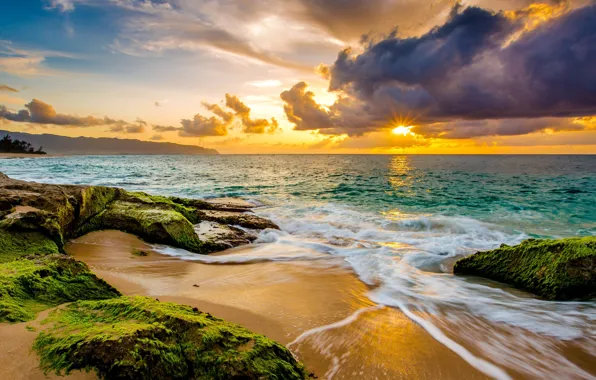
(157, 27)
(349, 19)
(162, 128)
(39, 112)
(468, 69)
(478, 65)
(139, 127)
(156, 138)
(4, 87)
(223, 120)
(249, 125)
(26, 63)
(62, 5)
(465, 129)
(201, 126)
(303, 111)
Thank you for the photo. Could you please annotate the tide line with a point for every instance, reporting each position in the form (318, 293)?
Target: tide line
(344, 322)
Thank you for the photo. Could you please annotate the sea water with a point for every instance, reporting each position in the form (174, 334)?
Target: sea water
(399, 222)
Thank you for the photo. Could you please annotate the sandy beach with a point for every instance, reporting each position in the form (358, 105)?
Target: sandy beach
(319, 310)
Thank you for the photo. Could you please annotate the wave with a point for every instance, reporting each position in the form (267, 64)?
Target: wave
(405, 257)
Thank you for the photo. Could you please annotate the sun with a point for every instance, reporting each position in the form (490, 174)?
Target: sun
(401, 130)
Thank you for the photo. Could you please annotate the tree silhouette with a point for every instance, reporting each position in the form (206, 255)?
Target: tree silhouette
(8, 145)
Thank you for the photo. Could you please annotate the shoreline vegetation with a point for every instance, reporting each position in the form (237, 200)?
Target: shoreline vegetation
(15, 146)
(96, 328)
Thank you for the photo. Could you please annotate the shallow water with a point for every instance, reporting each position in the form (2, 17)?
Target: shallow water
(399, 222)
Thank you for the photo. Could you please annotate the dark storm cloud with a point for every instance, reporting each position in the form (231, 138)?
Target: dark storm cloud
(39, 112)
(478, 65)
(465, 69)
(465, 129)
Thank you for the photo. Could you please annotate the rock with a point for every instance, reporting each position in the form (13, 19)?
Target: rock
(14, 244)
(553, 269)
(139, 338)
(221, 236)
(152, 223)
(230, 204)
(60, 212)
(239, 219)
(32, 284)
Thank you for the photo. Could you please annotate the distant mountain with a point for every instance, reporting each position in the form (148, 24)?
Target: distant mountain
(54, 144)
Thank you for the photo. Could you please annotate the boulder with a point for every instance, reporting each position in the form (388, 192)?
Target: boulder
(33, 284)
(61, 212)
(142, 338)
(553, 269)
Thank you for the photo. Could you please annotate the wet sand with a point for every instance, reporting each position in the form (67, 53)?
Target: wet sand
(18, 361)
(317, 308)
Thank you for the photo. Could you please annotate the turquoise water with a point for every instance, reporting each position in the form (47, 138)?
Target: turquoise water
(399, 222)
(539, 195)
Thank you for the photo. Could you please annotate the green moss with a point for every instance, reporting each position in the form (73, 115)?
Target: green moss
(153, 223)
(189, 211)
(553, 269)
(14, 244)
(40, 221)
(94, 200)
(141, 338)
(35, 283)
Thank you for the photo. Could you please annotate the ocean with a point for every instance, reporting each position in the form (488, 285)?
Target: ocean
(399, 222)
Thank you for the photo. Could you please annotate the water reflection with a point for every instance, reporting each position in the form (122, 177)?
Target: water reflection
(399, 172)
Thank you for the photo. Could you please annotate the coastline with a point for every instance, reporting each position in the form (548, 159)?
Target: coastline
(9, 156)
(296, 293)
(318, 304)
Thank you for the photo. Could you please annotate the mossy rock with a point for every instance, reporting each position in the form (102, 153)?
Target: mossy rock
(186, 207)
(15, 244)
(94, 200)
(31, 284)
(553, 269)
(141, 338)
(152, 223)
(62, 212)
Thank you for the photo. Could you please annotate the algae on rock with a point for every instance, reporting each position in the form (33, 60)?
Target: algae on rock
(35, 283)
(61, 212)
(141, 338)
(553, 269)
(154, 224)
(15, 244)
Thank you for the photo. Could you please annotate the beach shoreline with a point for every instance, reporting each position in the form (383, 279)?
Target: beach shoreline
(9, 156)
(303, 306)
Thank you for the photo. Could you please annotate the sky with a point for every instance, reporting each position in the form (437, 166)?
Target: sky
(306, 76)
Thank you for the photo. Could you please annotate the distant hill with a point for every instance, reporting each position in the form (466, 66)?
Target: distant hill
(54, 144)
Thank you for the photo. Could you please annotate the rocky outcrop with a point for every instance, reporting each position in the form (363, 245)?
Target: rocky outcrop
(32, 284)
(121, 337)
(142, 338)
(43, 216)
(553, 269)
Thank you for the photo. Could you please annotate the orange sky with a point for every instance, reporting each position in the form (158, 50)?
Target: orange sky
(160, 71)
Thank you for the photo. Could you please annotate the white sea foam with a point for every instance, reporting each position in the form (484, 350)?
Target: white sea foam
(404, 255)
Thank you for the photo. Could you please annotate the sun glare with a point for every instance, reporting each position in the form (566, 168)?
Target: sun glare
(401, 130)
